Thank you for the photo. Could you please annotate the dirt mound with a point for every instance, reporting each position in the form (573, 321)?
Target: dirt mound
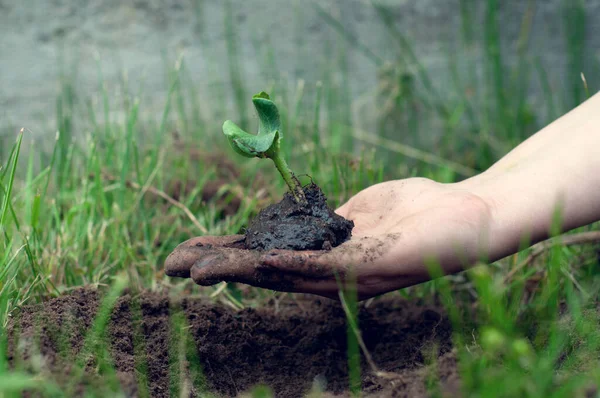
(298, 226)
(290, 345)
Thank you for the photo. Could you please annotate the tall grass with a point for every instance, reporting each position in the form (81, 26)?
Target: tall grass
(235, 72)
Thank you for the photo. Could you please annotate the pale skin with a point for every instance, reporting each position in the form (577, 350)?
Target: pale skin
(400, 226)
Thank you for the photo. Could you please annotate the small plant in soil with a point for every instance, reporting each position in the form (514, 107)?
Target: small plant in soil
(302, 220)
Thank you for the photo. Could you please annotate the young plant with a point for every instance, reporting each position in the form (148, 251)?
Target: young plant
(266, 144)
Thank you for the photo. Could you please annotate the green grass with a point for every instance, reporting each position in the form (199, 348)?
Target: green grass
(87, 210)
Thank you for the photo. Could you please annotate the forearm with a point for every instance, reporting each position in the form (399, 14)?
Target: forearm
(557, 168)
(579, 126)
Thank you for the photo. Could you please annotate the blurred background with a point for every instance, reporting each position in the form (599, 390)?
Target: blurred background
(481, 74)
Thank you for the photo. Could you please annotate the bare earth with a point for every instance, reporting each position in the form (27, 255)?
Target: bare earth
(292, 346)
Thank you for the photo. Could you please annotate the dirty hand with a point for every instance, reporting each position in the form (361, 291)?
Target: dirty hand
(398, 226)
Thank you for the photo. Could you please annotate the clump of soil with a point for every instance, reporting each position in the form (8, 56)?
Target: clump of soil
(292, 225)
(290, 345)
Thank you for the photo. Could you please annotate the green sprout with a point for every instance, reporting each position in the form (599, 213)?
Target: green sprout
(266, 144)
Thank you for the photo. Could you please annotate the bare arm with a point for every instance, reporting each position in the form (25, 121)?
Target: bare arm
(558, 166)
(401, 224)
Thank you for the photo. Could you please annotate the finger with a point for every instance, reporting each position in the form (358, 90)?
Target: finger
(318, 263)
(320, 287)
(362, 251)
(181, 260)
(243, 267)
(225, 264)
(312, 272)
(311, 264)
(227, 241)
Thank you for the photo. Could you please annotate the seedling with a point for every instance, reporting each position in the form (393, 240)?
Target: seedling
(265, 144)
(302, 220)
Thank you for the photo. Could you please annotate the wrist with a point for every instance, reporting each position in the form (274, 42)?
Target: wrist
(524, 204)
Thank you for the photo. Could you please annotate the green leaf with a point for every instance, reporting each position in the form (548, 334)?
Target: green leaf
(268, 116)
(262, 94)
(268, 136)
(248, 145)
(35, 210)
(11, 178)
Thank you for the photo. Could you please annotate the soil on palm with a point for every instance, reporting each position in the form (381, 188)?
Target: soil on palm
(293, 345)
(292, 225)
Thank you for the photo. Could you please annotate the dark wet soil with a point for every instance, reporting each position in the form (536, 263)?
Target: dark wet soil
(291, 345)
(298, 226)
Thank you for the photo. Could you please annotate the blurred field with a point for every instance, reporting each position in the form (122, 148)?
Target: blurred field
(120, 186)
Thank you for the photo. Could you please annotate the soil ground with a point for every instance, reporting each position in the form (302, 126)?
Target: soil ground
(290, 345)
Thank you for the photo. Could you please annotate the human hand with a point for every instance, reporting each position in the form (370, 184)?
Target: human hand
(399, 225)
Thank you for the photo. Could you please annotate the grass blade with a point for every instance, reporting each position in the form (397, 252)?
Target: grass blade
(11, 180)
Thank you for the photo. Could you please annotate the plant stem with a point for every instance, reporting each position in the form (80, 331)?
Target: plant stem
(289, 178)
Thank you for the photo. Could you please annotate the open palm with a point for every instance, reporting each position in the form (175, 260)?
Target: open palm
(399, 225)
